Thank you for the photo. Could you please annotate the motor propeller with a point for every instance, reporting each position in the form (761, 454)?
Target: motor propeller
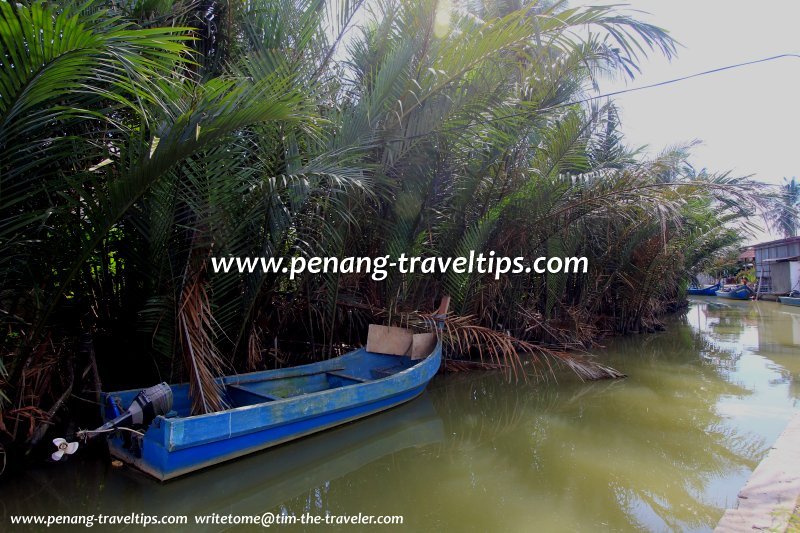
(148, 404)
(63, 447)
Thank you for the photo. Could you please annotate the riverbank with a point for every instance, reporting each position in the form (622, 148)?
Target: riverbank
(769, 498)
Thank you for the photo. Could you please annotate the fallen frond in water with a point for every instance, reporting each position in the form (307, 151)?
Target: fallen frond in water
(466, 365)
(500, 350)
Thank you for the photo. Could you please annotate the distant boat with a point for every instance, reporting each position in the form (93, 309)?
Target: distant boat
(710, 290)
(271, 407)
(740, 292)
(789, 300)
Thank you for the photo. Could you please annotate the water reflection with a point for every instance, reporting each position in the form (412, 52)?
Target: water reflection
(768, 329)
(633, 453)
(665, 449)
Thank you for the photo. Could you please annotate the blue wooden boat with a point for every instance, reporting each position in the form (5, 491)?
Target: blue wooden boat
(789, 300)
(269, 408)
(710, 290)
(266, 479)
(740, 292)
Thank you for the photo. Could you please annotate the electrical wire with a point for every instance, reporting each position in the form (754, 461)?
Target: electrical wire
(683, 78)
(86, 433)
(607, 95)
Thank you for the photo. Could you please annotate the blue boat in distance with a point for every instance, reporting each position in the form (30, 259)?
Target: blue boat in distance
(790, 300)
(275, 406)
(710, 290)
(740, 292)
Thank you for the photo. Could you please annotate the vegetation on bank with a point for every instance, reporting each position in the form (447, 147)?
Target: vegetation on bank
(139, 138)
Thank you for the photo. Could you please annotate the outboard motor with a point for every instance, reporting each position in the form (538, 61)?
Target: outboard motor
(147, 405)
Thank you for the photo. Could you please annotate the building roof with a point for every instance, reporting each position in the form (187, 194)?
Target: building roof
(782, 259)
(779, 242)
(748, 254)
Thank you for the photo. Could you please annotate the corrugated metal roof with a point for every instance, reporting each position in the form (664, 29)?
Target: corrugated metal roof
(779, 242)
(782, 259)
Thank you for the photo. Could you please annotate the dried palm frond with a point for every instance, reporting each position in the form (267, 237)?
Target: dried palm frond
(254, 358)
(500, 349)
(464, 365)
(202, 361)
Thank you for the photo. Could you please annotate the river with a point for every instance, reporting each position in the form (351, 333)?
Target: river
(665, 449)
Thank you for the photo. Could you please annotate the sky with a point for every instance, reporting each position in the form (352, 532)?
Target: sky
(748, 119)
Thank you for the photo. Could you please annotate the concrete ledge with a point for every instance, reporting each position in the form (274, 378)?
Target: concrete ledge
(768, 498)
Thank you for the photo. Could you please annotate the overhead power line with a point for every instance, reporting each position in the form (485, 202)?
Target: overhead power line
(610, 94)
(682, 78)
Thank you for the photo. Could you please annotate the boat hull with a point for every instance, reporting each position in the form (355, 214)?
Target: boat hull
(704, 291)
(788, 300)
(174, 446)
(741, 293)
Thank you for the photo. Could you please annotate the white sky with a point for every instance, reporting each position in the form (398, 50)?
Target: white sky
(748, 119)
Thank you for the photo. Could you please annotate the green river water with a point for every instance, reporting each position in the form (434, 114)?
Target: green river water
(666, 449)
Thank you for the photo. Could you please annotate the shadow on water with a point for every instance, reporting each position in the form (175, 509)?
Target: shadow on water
(665, 449)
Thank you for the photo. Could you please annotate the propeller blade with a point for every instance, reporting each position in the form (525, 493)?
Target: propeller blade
(63, 447)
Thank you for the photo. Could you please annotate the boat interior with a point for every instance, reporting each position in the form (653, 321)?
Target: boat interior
(261, 387)
(260, 390)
